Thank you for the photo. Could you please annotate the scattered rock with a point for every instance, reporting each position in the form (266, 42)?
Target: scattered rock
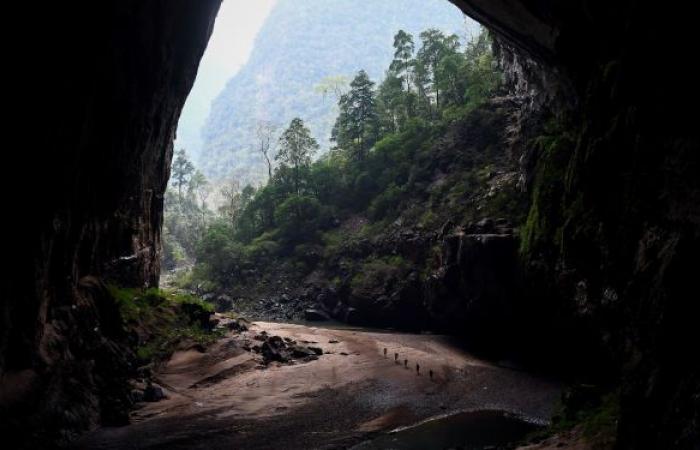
(153, 393)
(273, 350)
(239, 325)
(301, 352)
(261, 337)
(223, 303)
(136, 395)
(285, 350)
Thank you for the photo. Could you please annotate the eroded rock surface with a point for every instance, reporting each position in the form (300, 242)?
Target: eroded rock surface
(97, 156)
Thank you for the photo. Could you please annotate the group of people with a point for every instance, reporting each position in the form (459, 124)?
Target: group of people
(405, 364)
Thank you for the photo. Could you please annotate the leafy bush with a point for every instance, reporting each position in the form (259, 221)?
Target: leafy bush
(375, 273)
(388, 149)
(297, 217)
(162, 319)
(385, 203)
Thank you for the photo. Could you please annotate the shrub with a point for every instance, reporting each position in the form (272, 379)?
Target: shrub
(297, 218)
(385, 203)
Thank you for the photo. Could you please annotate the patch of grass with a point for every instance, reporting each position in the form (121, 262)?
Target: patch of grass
(162, 320)
(181, 298)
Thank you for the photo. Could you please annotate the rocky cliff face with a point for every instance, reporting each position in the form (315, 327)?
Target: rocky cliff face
(615, 215)
(611, 240)
(104, 86)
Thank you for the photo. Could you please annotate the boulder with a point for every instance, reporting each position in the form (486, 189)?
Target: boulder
(299, 351)
(239, 325)
(136, 395)
(223, 303)
(273, 351)
(153, 393)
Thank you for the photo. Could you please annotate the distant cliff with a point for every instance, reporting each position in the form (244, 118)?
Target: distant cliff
(301, 43)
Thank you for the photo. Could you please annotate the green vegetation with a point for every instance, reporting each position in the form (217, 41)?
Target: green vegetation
(545, 219)
(377, 271)
(303, 59)
(381, 168)
(163, 320)
(596, 421)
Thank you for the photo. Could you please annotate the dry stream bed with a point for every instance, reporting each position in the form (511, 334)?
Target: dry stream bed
(351, 396)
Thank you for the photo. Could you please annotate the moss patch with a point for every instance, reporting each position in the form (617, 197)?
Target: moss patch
(161, 321)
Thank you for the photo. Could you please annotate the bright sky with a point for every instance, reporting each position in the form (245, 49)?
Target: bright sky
(230, 45)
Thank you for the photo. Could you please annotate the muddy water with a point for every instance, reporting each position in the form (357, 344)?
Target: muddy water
(472, 430)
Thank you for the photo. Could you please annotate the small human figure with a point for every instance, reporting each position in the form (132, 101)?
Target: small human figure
(417, 369)
(405, 363)
(430, 372)
(385, 352)
(396, 357)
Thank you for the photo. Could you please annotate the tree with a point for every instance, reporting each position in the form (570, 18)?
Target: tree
(182, 170)
(265, 132)
(232, 200)
(403, 58)
(297, 146)
(335, 85)
(297, 217)
(403, 68)
(198, 189)
(451, 79)
(356, 128)
(435, 46)
(391, 103)
(481, 75)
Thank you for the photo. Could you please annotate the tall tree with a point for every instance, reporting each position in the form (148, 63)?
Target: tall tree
(481, 75)
(403, 58)
(356, 128)
(391, 103)
(198, 189)
(434, 47)
(265, 132)
(296, 147)
(182, 170)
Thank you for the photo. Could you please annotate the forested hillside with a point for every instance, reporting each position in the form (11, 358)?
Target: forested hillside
(305, 54)
(413, 157)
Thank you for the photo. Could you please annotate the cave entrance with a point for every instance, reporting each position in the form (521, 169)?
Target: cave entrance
(305, 147)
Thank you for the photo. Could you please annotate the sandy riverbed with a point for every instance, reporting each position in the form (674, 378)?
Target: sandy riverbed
(225, 397)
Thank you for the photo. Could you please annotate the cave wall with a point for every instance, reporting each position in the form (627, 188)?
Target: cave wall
(612, 239)
(101, 85)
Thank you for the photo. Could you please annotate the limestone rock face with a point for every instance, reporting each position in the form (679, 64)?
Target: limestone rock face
(102, 88)
(614, 256)
(102, 84)
(474, 289)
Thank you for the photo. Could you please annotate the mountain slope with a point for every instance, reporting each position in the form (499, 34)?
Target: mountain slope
(301, 43)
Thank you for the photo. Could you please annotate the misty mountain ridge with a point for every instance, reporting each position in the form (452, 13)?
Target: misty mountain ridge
(301, 44)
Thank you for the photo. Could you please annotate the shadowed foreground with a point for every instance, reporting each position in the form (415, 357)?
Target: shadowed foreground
(227, 397)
